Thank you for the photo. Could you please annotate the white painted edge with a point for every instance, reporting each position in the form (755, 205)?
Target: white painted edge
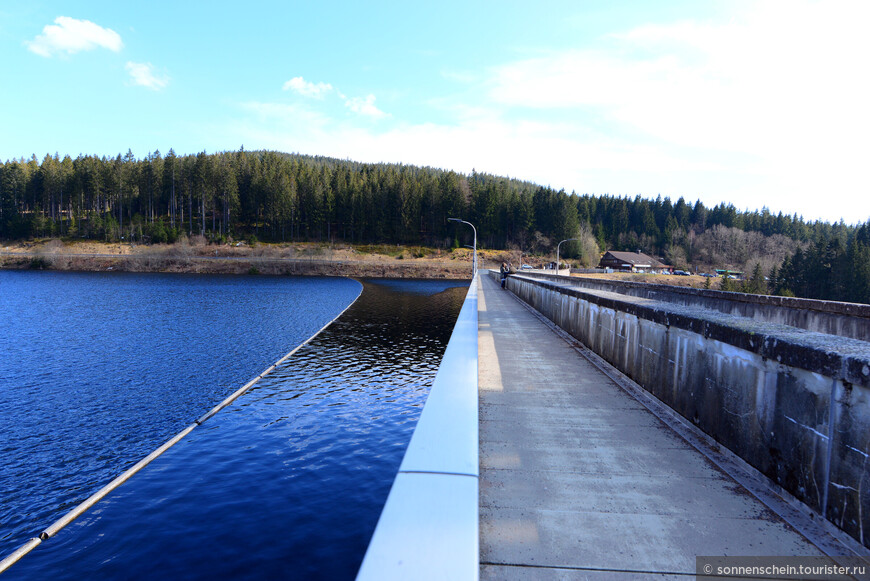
(445, 439)
(429, 527)
(427, 530)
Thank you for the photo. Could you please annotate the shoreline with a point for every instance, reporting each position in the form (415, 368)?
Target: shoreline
(250, 265)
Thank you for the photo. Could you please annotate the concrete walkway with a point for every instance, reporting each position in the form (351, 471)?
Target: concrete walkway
(578, 480)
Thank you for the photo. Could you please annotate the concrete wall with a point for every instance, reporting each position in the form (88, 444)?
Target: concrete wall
(843, 319)
(793, 404)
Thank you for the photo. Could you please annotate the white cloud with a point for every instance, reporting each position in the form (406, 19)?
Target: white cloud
(365, 107)
(544, 152)
(69, 35)
(547, 153)
(360, 105)
(144, 75)
(747, 111)
(306, 88)
(777, 96)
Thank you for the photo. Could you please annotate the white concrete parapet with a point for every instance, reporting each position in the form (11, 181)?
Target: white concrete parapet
(429, 526)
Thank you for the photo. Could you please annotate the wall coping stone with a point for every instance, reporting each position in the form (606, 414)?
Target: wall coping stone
(832, 307)
(841, 358)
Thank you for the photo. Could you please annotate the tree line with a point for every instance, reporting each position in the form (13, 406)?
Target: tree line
(290, 197)
(836, 269)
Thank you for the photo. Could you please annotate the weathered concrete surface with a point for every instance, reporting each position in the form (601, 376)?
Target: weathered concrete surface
(836, 318)
(793, 403)
(579, 481)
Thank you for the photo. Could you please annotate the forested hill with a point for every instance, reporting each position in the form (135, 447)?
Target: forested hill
(280, 197)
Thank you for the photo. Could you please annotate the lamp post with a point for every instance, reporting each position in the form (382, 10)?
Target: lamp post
(474, 262)
(557, 252)
(482, 265)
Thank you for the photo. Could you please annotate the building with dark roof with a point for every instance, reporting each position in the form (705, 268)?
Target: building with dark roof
(632, 262)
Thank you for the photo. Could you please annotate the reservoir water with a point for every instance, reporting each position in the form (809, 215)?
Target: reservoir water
(287, 482)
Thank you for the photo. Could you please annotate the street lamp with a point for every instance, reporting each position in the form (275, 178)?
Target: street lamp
(557, 251)
(482, 262)
(474, 264)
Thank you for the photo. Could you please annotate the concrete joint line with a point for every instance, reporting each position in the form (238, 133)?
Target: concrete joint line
(475, 476)
(596, 569)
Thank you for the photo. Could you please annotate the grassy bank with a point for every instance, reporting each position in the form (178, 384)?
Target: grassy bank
(309, 259)
(197, 257)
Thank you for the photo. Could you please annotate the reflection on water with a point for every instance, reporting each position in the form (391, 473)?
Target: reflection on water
(98, 369)
(289, 481)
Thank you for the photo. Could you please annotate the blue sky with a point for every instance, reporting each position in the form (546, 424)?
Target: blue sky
(757, 103)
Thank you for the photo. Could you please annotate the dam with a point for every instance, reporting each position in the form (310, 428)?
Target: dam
(575, 429)
(625, 432)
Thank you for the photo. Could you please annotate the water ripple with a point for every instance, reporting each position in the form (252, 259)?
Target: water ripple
(97, 370)
(288, 482)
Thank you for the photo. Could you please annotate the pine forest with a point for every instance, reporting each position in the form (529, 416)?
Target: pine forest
(277, 197)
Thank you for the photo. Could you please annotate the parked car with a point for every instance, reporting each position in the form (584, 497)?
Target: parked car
(527, 267)
(681, 273)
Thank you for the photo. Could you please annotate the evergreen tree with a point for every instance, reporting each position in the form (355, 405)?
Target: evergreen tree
(296, 197)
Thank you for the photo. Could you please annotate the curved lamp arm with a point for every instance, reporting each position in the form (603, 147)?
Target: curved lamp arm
(474, 262)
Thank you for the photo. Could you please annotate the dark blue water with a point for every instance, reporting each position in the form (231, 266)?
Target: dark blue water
(96, 370)
(288, 482)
